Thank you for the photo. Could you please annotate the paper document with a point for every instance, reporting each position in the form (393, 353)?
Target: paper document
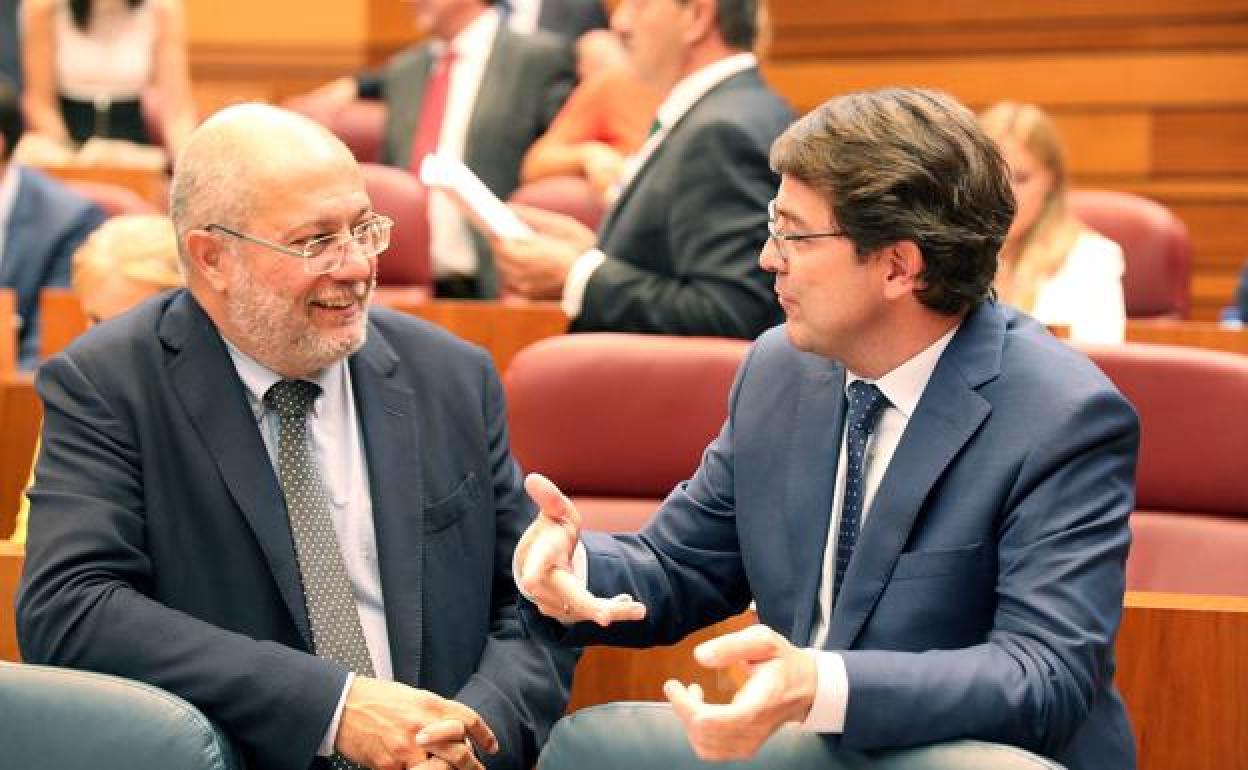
(470, 193)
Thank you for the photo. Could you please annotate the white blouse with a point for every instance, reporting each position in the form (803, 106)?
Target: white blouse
(1086, 293)
(112, 58)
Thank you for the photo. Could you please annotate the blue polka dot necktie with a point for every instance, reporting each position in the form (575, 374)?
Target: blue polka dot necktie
(866, 402)
(337, 634)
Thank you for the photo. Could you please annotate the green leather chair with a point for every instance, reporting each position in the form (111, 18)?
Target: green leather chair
(645, 736)
(64, 719)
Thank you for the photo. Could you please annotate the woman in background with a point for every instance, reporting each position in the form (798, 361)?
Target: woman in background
(125, 261)
(1052, 266)
(88, 62)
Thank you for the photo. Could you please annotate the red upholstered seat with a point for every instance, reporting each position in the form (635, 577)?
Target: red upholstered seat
(397, 194)
(617, 420)
(569, 195)
(359, 123)
(1191, 520)
(1155, 246)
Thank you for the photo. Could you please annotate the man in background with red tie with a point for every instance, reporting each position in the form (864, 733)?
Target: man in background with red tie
(478, 92)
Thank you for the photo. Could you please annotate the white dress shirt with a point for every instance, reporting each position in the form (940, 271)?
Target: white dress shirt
(450, 237)
(524, 16)
(903, 387)
(338, 446)
(683, 96)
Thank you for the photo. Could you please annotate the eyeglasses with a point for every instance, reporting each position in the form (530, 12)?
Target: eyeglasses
(327, 253)
(784, 241)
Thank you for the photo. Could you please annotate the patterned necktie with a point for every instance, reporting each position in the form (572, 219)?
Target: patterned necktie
(865, 404)
(337, 634)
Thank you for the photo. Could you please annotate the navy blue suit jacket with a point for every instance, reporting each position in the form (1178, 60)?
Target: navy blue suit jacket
(160, 548)
(48, 223)
(986, 587)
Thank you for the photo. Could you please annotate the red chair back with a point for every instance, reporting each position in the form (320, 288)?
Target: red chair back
(618, 419)
(569, 195)
(397, 194)
(1155, 245)
(1191, 519)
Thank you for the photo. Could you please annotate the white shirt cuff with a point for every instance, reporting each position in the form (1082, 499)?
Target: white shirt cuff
(331, 735)
(827, 712)
(578, 278)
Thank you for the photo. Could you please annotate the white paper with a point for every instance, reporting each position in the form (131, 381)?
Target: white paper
(482, 206)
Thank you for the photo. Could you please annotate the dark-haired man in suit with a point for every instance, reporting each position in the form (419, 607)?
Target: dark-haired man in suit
(42, 223)
(292, 510)
(676, 253)
(925, 494)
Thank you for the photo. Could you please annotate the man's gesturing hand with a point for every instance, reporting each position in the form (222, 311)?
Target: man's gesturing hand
(780, 688)
(544, 563)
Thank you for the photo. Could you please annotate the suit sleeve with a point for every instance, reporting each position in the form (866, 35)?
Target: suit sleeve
(1061, 548)
(521, 685)
(685, 566)
(559, 81)
(86, 594)
(714, 230)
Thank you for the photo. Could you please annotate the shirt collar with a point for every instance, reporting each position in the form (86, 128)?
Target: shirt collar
(904, 385)
(694, 86)
(474, 40)
(258, 378)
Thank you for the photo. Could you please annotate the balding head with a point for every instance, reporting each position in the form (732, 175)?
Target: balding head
(237, 155)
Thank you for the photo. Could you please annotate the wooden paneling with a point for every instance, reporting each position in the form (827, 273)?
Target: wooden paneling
(1184, 675)
(9, 322)
(10, 572)
(502, 328)
(1211, 142)
(1110, 80)
(21, 415)
(1195, 334)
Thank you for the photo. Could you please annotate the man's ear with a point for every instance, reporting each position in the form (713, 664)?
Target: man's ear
(704, 21)
(904, 265)
(206, 252)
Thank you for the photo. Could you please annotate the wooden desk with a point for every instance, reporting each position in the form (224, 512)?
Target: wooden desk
(1196, 334)
(11, 557)
(61, 320)
(502, 327)
(21, 415)
(151, 186)
(9, 323)
(1183, 670)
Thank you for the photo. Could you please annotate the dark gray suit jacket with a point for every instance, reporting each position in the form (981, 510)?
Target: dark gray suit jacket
(526, 81)
(682, 242)
(985, 590)
(160, 548)
(47, 224)
(569, 19)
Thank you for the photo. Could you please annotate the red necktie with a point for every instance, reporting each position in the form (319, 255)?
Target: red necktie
(432, 109)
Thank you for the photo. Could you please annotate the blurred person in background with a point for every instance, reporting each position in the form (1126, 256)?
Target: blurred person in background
(88, 62)
(42, 223)
(127, 260)
(1052, 266)
(606, 119)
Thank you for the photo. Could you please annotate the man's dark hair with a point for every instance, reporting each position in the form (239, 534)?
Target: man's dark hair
(10, 117)
(906, 164)
(738, 22)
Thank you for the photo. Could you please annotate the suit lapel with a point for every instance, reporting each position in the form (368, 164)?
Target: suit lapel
(637, 179)
(947, 416)
(407, 107)
(814, 443)
(207, 384)
(493, 83)
(386, 409)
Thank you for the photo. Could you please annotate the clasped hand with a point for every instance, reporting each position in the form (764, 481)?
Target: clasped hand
(390, 726)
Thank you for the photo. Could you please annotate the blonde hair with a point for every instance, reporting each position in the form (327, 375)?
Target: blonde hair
(140, 247)
(1043, 248)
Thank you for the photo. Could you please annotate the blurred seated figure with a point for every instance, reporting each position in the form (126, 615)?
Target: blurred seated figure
(42, 222)
(1052, 266)
(607, 118)
(127, 260)
(477, 92)
(88, 62)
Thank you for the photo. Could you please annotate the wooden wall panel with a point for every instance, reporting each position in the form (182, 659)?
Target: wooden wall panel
(1208, 142)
